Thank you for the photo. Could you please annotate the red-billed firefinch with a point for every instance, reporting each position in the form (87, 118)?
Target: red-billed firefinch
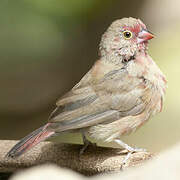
(122, 90)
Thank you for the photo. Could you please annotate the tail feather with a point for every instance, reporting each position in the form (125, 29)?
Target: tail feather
(30, 141)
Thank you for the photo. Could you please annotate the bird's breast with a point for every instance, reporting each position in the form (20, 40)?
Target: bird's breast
(154, 80)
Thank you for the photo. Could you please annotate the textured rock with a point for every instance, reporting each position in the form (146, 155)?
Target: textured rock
(94, 160)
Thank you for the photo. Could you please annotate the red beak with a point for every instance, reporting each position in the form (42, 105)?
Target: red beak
(144, 35)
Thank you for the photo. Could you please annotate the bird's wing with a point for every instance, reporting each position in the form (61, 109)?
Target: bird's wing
(98, 98)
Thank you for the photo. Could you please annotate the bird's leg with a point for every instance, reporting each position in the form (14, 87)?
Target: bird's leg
(129, 149)
(86, 143)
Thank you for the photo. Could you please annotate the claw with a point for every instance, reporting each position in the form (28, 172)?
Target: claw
(130, 150)
(86, 144)
(83, 148)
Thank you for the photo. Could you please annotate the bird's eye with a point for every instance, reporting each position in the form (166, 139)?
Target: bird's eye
(127, 34)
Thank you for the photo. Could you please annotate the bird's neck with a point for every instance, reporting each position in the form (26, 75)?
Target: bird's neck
(118, 59)
(112, 58)
(122, 55)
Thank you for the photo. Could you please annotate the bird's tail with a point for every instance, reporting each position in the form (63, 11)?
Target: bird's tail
(30, 141)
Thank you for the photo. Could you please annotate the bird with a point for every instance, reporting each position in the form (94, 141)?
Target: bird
(122, 90)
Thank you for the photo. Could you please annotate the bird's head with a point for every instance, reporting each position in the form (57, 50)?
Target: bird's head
(124, 39)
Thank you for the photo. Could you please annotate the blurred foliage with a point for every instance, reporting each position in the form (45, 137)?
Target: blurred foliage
(63, 10)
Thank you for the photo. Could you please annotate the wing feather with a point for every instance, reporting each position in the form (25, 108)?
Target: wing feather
(99, 100)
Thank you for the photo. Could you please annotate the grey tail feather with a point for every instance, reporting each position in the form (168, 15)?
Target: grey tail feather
(29, 141)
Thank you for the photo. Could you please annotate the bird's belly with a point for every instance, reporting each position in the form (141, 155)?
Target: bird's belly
(108, 132)
(111, 131)
(154, 97)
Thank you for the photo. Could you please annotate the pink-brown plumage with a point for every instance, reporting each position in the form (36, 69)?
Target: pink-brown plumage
(122, 90)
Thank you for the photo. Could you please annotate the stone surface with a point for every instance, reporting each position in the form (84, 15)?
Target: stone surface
(95, 160)
(165, 166)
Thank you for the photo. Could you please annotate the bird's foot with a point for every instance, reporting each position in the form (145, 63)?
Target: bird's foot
(130, 150)
(86, 144)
